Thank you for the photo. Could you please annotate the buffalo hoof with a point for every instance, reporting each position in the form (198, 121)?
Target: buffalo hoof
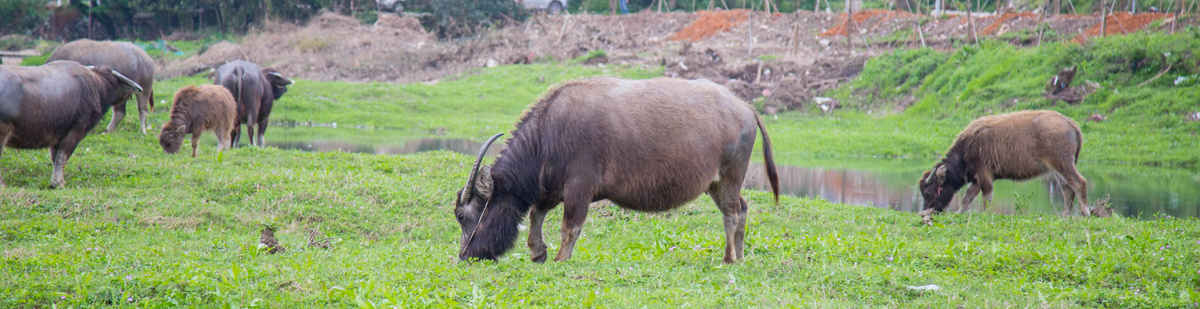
(57, 184)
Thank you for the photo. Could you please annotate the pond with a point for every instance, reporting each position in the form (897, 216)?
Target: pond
(1133, 191)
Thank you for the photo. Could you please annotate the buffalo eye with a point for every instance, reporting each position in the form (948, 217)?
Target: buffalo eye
(459, 217)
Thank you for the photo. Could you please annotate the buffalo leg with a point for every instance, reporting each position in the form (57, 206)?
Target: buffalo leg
(741, 231)
(143, 102)
(235, 136)
(578, 194)
(195, 142)
(262, 130)
(969, 197)
(251, 118)
(58, 157)
(985, 185)
(1077, 184)
(537, 245)
(118, 114)
(1068, 199)
(730, 203)
(5, 133)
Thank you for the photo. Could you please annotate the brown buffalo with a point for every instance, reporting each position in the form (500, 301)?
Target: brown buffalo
(198, 109)
(255, 90)
(1017, 146)
(648, 145)
(55, 105)
(125, 57)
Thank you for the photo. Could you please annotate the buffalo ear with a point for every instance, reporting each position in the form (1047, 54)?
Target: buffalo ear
(940, 173)
(181, 129)
(483, 184)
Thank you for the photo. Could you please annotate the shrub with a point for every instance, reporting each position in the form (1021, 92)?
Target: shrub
(464, 18)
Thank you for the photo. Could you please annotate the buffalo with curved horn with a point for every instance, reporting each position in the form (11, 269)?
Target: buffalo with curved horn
(55, 105)
(649, 145)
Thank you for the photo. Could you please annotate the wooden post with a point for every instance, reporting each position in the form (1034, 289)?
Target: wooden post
(849, 23)
(921, 34)
(712, 4)
(1103, 19)
(971, 23)
(1041, 19)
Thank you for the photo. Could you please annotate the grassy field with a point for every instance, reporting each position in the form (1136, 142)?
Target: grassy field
(137, 227)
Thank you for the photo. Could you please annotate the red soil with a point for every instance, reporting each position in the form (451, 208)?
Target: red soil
(710, 23)
(1121, 23)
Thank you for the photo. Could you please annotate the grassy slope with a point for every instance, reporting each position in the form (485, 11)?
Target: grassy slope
(136, 224)
(1146, 125)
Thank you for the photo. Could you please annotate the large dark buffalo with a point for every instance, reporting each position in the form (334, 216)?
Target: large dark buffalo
(55, 105)
(256, 90)
(125, 57)
(1017, 146)
(649, 145)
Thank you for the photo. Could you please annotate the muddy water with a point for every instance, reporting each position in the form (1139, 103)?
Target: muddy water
(1134, 191)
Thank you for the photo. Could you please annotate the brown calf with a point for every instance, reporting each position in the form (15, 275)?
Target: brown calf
(1018, 146)
(198, 109)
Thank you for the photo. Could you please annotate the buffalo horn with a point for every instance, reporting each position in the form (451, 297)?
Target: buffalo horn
(470, 187)
(933, 172)
(127, 81)
(289, 81)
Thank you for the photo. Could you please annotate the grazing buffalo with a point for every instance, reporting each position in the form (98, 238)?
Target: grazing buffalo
(55, 105)
(198, 109)
(255, 90)
(125, 57)
(649, 145)
(1017, 146)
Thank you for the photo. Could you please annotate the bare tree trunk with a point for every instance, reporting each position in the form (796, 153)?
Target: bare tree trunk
(612, 6)
(712, 4)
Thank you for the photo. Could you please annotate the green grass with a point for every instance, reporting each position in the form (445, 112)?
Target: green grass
(137, 227)
(134, 223)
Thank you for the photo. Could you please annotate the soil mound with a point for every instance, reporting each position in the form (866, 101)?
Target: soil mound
(994, 28)
(1121, 23)
(711, 22)
(866, 19)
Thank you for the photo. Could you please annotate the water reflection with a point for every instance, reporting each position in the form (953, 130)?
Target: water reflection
(462, 146)
(1132, 194)
(1135, 191)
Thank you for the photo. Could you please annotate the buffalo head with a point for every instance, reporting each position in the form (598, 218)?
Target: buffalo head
(939, 184)
(471, 203)
(278, 82)
(171, 137)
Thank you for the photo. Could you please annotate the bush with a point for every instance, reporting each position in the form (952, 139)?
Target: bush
(464, 18)
(35, 60)
(18, 16)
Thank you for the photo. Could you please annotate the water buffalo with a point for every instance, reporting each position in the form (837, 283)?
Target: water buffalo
(198, 109)
(55, 105)
(255, 90)
(649, 145)
(125, 57)
(1018, 146)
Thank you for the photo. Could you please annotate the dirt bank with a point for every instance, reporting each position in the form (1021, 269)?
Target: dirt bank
(785, 57)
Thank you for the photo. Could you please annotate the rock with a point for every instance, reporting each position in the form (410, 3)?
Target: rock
(491, 63)
(1096, 118)
(824, 42)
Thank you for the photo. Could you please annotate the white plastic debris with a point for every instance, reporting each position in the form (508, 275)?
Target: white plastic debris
(930, 287)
